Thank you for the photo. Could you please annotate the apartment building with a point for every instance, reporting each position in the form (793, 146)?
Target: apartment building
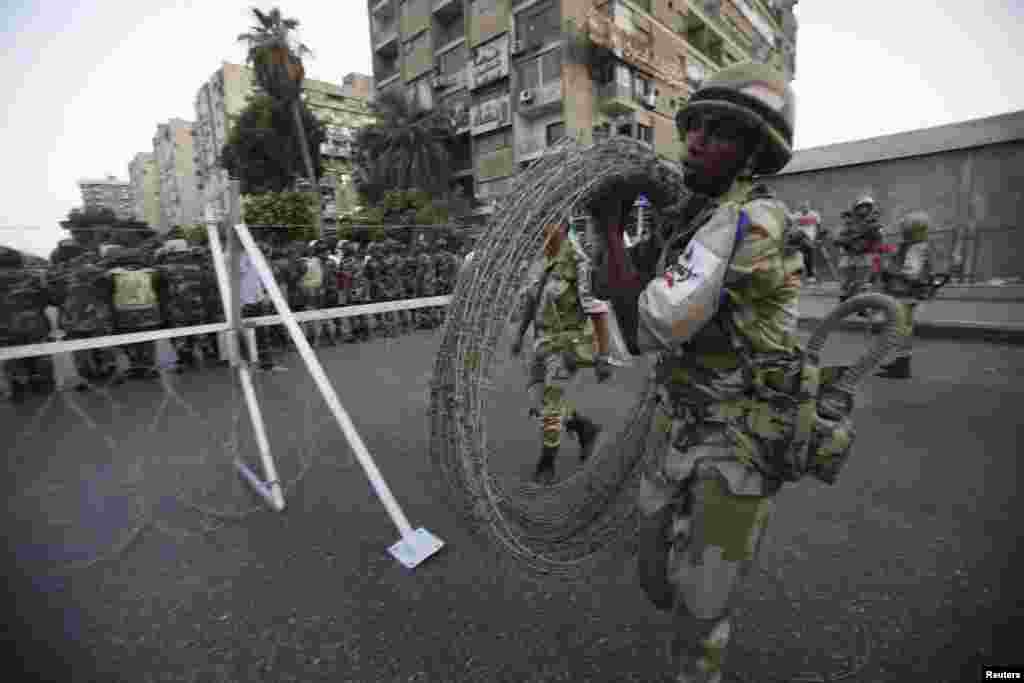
(343, 109)
(173, 153)
(520, 75)
(145, 181)
(108, 193)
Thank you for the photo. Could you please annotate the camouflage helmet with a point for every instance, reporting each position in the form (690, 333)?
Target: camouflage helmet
(914, 226)
(864, 200)
(758, 94)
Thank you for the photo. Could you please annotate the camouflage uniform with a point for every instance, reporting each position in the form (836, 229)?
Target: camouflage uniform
(83, 296)
(137, 293)
(902, 278)
(426, 286)
(384, 287)
(408, 267)
(860, 242)
(312, 289)
(185, 301)
(351, 292)
(564, 338)
(287, 270)
(705, 502)
(23, 300)
(447, 267)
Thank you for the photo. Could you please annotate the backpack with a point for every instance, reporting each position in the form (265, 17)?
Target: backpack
(811, 431)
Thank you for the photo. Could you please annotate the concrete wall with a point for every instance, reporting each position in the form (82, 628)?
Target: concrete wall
(976, 192)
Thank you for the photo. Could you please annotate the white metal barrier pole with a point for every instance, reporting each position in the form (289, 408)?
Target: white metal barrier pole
(414, 546)
(230, 282)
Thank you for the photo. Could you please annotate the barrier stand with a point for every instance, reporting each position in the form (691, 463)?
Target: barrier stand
(415, 546)
(229, 282)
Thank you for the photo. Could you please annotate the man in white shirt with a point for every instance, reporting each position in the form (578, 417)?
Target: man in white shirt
(254, 303)
(808, 222)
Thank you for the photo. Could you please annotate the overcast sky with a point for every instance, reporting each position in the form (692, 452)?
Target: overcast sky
(84, 84)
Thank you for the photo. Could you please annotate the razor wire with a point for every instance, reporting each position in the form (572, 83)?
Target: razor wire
(561, 530)
(158, 474)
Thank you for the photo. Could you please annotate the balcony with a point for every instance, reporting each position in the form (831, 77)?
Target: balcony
(546, 99)
(387, 78)
(446, 10)
(617, 98)
(386, 41)
(384, 8)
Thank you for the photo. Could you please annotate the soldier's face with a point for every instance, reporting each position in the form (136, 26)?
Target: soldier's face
(716, 151)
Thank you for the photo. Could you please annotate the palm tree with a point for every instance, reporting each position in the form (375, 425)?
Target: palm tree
(277, 60)
(406, 148)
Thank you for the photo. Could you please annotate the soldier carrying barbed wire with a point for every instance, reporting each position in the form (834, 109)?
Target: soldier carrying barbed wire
(716, 299)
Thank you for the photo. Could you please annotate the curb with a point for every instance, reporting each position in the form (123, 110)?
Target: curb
(959, 330)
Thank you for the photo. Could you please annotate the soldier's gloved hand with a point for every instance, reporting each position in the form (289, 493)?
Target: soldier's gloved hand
(517, 346)
(602, 368)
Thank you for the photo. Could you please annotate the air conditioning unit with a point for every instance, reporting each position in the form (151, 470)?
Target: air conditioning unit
(526, 97)
(650, 100)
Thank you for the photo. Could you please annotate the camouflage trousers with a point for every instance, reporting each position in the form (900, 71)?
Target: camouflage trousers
(141, 356)
(24, 370)
(550, 376)
(92, 364)
(314, 329)
(355, 326)
(703, 512)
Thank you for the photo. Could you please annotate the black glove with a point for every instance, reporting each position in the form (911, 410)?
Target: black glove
(602, 368)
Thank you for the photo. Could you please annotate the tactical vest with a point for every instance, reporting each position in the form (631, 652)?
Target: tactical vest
(773, 397)
(136, 305)
(23, 300)
(312, 281)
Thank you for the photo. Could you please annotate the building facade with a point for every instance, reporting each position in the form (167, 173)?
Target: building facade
(173, 153)
(966, 175)
(108, 193)
(145, 180)
(520, 75)
(342, 109)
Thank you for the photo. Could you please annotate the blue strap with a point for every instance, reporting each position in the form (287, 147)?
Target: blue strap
(741, 231)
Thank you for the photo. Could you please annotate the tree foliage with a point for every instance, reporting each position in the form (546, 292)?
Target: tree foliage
(293, 210)
(91, 227)
(275, 55)
(405, 148)
(263, 150)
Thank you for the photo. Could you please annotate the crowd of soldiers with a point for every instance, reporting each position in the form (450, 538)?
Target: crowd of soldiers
(113, 289)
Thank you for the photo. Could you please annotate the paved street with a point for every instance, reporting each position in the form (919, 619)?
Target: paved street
(905, 571)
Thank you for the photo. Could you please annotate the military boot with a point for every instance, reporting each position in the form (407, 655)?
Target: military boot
(897, 369)
(586, 432)
(544, 472)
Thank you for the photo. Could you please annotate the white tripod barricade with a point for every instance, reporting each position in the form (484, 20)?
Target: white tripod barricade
(268, 488)
(415, 546)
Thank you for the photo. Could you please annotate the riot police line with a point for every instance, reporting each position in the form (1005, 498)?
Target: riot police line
(107, 306)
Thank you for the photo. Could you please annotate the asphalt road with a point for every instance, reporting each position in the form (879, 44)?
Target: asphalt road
(136, 554)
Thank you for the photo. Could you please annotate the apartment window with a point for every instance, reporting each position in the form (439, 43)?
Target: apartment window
(645, 133)
(538, 24)
(555, 132)
(488, 144)
(541, 70)
(453, 61)
(643, 86)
